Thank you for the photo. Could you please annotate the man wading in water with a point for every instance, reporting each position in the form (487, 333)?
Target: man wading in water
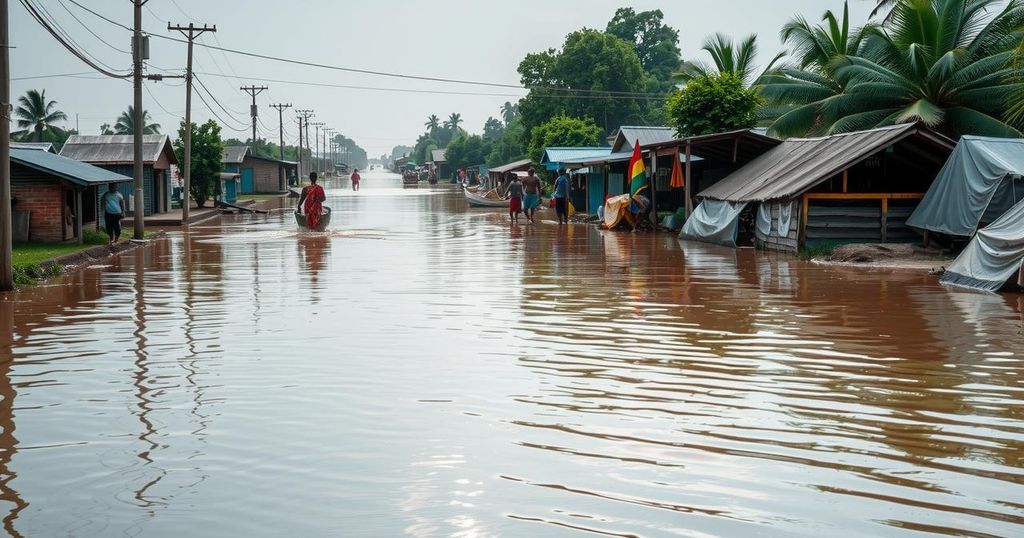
(531, 195)
(313, 196)
(515, 200)
(355, 179)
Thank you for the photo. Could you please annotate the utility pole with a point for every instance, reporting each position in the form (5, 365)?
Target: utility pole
(280, 122)
(316, 144)
(140, 52)
(6, 223)
(191, 32)
(304, 116)
(253, 91)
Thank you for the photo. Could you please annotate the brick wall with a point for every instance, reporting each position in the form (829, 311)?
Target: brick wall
(45, 202)
(265, 175)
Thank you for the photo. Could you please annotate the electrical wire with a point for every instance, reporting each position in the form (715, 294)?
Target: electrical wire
(65, 42)
(55, 24)
(602, 93)
(88, 29)
(212, 111)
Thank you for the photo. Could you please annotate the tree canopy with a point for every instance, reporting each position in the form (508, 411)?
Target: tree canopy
(207, 155)
(36, 117)
(656, 44)
(563, 131)
(712, 104)
(125, 123)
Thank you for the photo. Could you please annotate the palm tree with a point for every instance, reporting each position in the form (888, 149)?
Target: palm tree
(453, 121)
(509, 112)
(728, 57)
(106, 130)
(433, 123)
(795, 94)
(1015, 112)
(126, 123)
(36, 115)
(944, 62)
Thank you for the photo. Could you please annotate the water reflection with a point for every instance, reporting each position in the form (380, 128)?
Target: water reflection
(463, 376)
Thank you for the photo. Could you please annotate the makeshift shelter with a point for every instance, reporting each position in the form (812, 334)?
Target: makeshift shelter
(116, 153)
(979, 182)
(496, 175)
(54, 196)
(581, 179)
(439, 164)
(994, 255)
(857, 186)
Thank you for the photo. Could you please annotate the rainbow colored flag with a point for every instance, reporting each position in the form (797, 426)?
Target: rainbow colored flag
(637, 173)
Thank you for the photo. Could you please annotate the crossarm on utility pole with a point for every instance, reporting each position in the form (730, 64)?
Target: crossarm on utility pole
(191, 32)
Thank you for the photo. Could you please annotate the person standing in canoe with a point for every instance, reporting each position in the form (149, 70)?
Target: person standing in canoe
(312, 202)
(355, 179)
(531, 194)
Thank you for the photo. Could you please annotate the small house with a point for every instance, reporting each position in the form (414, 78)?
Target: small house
(53, 197)
(852, 187)
(116, 153)
(254, 174)
(581, 189)
(439, 165)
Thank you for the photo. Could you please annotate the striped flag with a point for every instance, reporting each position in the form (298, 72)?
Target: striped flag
(637, 173)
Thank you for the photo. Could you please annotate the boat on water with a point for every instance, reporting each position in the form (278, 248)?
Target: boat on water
(325, 220)
(475, 200)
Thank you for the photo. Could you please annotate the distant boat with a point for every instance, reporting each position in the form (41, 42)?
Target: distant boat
(325, 220)
(476, 200)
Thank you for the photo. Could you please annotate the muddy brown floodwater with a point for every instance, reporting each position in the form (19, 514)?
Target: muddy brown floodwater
(426, 370)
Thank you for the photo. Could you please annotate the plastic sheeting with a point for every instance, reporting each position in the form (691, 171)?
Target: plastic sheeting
(785, 217)
(979, 182)
(714, 221)
(993, 256)
(764, 219)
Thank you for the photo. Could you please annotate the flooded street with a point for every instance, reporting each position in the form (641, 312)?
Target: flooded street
(426, 370)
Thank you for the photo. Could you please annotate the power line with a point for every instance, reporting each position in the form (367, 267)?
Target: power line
(86, 26)
(65, 42)
(605, 93)
(212, 111)
(57, 26)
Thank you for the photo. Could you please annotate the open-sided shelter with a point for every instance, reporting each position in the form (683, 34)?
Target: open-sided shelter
(859, 186)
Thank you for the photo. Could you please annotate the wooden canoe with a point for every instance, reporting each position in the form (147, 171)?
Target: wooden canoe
(325, 220)
(476, 200)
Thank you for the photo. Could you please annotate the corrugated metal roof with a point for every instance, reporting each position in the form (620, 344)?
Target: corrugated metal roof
(76, 172)
(560, 154)
(796, 165)
(45, 146)
(116, 149)
(437, 156)
(511, 167)
(234, 154)
(629, 134)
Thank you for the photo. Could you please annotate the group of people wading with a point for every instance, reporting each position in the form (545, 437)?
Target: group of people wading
(524, 196)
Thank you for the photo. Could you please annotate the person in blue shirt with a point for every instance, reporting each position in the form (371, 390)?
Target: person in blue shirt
(113, 212)
(561, 196)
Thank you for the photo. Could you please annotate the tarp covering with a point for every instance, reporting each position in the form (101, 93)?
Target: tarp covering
(979, 182)
(798, 164)
(993, 256)
(764, 219)
(714, 221)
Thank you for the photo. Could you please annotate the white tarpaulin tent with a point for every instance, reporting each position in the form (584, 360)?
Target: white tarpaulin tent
(980, 181)
(714, 221)
(993, 256)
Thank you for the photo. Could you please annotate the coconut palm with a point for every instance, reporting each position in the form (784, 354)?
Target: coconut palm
(433, 123)
(36, 116)
(453, 121)
(508, 112)
(795, 94)
(944, 62)
(1015, 112)
(126, 123)
(727, 57)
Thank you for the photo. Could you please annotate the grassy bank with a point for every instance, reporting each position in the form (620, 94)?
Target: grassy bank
(30, 259)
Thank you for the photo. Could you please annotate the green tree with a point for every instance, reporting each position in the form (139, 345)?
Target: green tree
(712, 104)
(125, 124)
(563, 131)
(493, 129)
(467, 150)
(453, 121)
(36, 116)
(207, 152)
(433, 122)
(727, 56)
(105, 129)
(656, 44)
(592, 63)
(947, 63)
(509, 112)
(795, 95)
(510, 146)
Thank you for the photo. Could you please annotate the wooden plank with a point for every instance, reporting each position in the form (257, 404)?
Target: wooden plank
(802, 235)
(735, 147)
(865, 196)
(689, 181)
(885, 219)
(846, 180)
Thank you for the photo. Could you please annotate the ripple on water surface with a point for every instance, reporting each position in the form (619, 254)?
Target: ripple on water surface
(426, 369)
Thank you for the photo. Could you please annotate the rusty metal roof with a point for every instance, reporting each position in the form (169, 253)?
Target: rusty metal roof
(798, 164)
(117, 149)
(511, 167)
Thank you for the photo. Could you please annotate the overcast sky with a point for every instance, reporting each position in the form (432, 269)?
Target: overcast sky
(462, 39)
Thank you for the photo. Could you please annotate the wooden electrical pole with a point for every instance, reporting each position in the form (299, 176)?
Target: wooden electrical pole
(304, 116)
(191, 32)
(316, 144)
(253, 91)
(280, 122)
(6, 222)
(139, 53)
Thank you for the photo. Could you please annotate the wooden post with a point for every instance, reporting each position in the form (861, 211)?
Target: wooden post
(689, 182)
(78, 216)
(735, 148)
(804, 215)
(846, 178)
(653, 216)
(885, 219)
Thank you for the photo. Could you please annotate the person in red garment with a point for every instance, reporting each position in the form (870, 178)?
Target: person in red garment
(355, 179)
(312, 202)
